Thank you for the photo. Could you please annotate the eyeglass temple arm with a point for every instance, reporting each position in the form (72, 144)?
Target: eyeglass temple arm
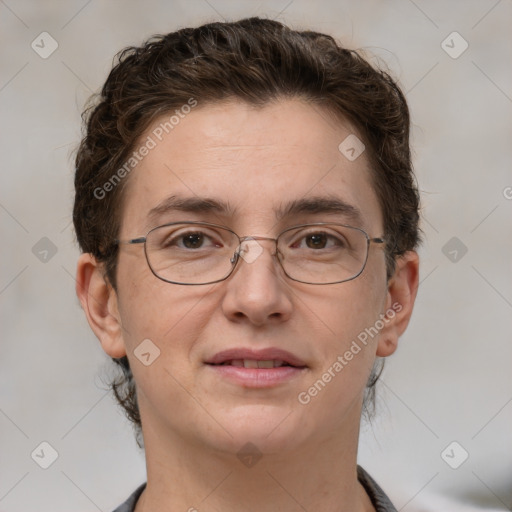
(139, 240)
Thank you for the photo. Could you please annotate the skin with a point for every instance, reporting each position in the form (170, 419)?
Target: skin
(194, 422)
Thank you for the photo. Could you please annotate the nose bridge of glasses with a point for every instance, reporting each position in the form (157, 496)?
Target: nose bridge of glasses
(250, 237)
(250, 249)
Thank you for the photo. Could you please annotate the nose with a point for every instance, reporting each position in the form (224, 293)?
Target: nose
(257, 291)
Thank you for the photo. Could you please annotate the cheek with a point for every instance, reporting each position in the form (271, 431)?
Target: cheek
(342, 321)
(173, 318)
(162, 312)
(339, 313)
(150, 309)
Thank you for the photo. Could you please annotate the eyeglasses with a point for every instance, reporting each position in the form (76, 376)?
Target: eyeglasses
(198, 253)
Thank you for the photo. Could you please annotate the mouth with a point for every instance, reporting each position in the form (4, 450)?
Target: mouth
(255, 363)
(249, 358)
(256, 369)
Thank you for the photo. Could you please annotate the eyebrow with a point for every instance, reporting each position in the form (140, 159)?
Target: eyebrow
(190, 205)
(312, 205)
(320, 205)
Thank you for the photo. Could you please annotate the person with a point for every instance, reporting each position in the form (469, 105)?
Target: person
(247, 216)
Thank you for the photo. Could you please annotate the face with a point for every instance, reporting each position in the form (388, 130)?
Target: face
(255, 162)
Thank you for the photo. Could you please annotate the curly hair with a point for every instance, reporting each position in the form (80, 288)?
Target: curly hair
(258, 61)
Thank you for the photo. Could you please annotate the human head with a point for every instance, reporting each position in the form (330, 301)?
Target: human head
(256, 61)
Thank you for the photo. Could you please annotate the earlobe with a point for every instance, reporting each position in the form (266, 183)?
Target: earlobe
(402, 290)
(99, 302)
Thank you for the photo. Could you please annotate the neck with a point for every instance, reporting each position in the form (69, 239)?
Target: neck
(184, 475)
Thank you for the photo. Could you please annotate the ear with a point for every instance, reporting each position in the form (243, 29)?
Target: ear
(99, 302)
(402, 289)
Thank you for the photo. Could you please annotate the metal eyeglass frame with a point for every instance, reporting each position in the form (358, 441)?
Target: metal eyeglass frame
(236, 256)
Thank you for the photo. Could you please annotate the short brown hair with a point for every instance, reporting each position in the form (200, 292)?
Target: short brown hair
(258, 61)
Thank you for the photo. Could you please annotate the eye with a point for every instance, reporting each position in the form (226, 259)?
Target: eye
(190, 240)
(193, 240)
(319, 240)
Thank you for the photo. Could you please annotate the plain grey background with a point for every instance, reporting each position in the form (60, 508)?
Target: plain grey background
(450, 380)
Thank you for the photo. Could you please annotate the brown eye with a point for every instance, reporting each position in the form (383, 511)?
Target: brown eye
(317, 241)
(189, 240)
(193, 240)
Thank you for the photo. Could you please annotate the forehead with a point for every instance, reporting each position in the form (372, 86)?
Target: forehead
(250, 168)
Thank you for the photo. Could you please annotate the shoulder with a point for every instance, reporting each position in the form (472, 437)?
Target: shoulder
(379, 499)
(129, 504)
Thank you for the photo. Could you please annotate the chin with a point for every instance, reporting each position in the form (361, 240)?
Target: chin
(269, 429)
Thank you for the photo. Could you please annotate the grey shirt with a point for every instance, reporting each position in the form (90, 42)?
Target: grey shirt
(379, 500)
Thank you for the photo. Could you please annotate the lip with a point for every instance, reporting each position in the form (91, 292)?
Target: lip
(256, 377)
(257, 355)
